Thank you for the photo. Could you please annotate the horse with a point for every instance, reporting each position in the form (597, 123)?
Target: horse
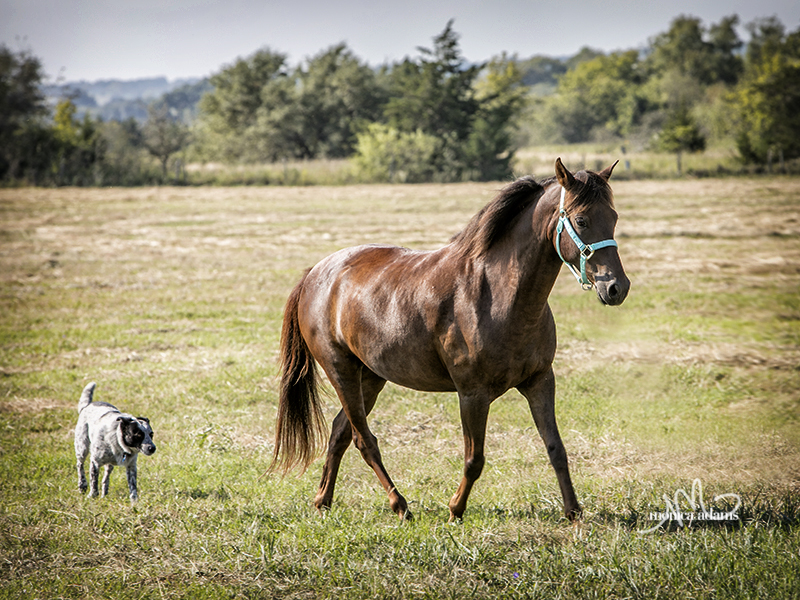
(471, 317)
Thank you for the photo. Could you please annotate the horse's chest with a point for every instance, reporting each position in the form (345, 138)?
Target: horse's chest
(497, 356)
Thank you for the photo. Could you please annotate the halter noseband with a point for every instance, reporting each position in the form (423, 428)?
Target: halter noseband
(586, 250)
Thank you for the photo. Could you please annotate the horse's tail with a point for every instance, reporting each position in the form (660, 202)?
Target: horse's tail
(300, 423)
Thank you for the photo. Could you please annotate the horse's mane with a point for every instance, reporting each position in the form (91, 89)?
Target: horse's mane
(496, 218)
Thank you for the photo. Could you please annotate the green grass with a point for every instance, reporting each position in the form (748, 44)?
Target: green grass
(171, 300)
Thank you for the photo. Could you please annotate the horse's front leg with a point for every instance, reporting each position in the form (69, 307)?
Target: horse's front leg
(540, 393)
(474, 412)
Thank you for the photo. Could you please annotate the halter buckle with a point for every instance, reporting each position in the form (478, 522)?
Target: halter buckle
(587, 252)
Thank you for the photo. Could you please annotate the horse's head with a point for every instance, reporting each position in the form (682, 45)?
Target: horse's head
(585, 233)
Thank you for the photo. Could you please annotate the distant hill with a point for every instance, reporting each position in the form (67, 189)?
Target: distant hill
(105, 90)
(118, 100)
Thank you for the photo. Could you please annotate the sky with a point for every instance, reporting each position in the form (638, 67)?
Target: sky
(122, 39)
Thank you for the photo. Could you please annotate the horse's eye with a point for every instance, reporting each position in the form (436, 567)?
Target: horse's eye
(581, 222)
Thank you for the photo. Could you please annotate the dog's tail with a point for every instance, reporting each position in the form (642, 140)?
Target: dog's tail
(86, 396)
(300, 423)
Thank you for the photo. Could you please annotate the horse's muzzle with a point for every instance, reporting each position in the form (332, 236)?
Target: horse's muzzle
(613, 291)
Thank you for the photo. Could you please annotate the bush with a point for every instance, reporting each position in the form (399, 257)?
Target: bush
(384, 154)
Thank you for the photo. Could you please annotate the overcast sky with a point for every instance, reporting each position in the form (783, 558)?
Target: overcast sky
(125, 39)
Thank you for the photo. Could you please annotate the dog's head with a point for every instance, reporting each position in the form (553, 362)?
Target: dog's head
(137, 434)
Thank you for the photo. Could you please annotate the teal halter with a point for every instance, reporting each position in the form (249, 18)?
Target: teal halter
(586, 250)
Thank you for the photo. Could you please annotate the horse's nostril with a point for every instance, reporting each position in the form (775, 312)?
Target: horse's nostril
(613, 290)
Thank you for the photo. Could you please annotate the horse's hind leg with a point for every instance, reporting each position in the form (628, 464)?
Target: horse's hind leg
(357, 388)
(540, 393)
(341, 435)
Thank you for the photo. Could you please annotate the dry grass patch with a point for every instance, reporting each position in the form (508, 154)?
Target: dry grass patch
(171, 299)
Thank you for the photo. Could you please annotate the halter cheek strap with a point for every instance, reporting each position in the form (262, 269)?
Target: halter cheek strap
(586, 250)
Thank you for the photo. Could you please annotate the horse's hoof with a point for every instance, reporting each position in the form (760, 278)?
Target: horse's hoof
(574, 514)
(406, 516)
(456, 517)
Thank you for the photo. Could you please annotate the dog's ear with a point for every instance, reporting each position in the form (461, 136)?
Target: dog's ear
(125, 420)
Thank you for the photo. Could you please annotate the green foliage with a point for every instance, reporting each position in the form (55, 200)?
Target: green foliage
(681, 134)
(471, 116)
(435, 93)
(691, 87)
(229, 114)
(337, 93)
(601, 94)
(260, 110)
(384, 154)
(768, 98)
(22, 136)
(632, 95)
(709, 56)
(163, 136)
(79, 147)
(489, 150)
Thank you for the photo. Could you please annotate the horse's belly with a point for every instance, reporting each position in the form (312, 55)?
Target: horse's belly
(411, 369)
(402, 356)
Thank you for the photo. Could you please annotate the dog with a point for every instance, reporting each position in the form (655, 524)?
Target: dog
(111, 438)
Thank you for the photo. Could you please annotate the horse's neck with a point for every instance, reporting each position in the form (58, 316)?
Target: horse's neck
(526, 264)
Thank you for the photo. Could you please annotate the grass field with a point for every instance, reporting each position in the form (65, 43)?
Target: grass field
(171, 300)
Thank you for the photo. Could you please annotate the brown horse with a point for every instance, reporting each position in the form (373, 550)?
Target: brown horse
(471, 317)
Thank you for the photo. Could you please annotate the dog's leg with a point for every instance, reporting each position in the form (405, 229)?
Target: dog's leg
(132, 482)
(106, 479)
(81, 452)
(82, 485)
(94, 472)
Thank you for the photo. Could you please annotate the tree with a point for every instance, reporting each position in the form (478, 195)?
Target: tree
(436, 95)
(602, 95)
(21, 105)
(489, 149)
(79, 147)
(228, 124)
(262, 110)
(337, 93)
(768, 97)
(681, 134)
(470, 109)
(163, 136)
(709, 56)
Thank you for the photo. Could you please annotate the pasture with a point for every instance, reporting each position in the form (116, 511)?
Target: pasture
(171, 300)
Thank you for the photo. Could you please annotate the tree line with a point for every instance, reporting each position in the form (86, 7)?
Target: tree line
(434, 117)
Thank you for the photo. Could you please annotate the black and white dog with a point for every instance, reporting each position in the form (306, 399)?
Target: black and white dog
(111, 438)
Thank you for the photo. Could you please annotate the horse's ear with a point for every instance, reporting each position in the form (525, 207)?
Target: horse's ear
(563, 175)
(606, 173)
